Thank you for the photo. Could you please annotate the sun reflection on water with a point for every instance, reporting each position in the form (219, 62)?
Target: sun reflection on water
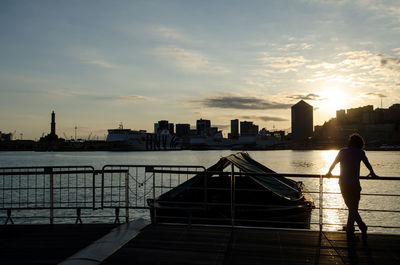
(332, 197)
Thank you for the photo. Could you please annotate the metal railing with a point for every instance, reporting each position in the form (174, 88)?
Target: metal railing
(102, 193)
(49, 189)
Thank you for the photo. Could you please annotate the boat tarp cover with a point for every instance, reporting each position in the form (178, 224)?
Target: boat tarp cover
(280, 186)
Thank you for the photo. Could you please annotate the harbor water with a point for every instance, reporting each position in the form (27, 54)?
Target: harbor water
(385, 163)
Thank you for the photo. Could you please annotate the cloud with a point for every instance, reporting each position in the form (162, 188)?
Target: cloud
(359, 68)
(380, 95)
(310, 96)
(169, 33)
(115, 98)
(284, 64)
(295, 47)
(357, 58)
(192, 61)
(326, 66)
(100, 63)
(63, 93)
(132, 98)
(370, 61)
(222, 127)
(389, 62)
(263, 118)
(242, 102)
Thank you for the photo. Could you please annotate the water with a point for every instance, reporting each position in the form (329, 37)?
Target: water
(385, 163)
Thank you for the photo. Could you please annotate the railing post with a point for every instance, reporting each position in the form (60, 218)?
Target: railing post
(205, 189)
(321, 202)
(127, 196)
(154, 199)
(94, 190)
(50, 170)
(232, 195)
(102, 188)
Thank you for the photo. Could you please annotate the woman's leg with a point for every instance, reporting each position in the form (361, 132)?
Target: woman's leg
(351, 197)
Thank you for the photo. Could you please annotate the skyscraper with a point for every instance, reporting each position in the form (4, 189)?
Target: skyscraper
(234, 129)
(202, 126)
(182, 129)
(248, 128)
(302, 121)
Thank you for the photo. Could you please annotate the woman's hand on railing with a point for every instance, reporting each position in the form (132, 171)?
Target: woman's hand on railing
(372, 175)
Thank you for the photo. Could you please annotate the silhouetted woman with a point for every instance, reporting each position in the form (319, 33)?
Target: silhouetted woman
(349, 181)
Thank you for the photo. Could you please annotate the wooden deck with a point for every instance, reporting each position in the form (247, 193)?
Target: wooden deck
(178, 245)
(169, 244)
(46, 244)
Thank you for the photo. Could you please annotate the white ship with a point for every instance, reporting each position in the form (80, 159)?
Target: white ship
(141, 140)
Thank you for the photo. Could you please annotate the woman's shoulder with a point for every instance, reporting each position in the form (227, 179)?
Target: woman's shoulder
(352, 150)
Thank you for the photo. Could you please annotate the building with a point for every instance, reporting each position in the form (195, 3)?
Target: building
(202, 126)
(248, 128)
(164, 125)
(302, 121)
(234, 129)
(52, 136)
(182, 130)
(6, 137)
(341, 116)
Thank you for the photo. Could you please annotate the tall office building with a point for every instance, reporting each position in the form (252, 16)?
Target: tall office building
(163, 125)
(202, 126)
(182, 129)
(234, 129)
(248, 128)
(302, 121)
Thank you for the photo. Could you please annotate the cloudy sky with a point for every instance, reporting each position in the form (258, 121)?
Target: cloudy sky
(99, 63)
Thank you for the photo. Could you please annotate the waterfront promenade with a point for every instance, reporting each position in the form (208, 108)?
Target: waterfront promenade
(180, 244)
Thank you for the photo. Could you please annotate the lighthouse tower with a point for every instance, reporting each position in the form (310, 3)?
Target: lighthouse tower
(53, 124)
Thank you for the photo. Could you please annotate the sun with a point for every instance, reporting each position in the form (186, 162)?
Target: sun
(333, 98)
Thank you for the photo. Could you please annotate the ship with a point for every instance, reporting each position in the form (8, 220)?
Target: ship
(127, 139)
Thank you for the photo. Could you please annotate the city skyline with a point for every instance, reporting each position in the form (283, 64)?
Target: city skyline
(97, 63)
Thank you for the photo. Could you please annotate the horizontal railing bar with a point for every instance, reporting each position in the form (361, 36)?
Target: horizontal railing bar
(37, 167)
(48, 208)
(364, 210)
(258, 190)
(176, 172)
(297, 175)
(24, 173)
(158, 166)
(190, 172)
(376, 226)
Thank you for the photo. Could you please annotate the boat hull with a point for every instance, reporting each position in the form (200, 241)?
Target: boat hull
(246, 215)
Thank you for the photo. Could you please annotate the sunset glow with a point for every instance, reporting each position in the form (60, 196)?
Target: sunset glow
(138, 62)
(334, 98)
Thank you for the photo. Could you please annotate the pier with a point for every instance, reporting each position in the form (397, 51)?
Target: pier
(182, 244)
(117, 193)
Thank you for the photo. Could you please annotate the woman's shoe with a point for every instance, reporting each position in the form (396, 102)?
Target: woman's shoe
(364, 229)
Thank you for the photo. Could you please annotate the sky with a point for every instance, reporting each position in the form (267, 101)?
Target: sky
(101, 63)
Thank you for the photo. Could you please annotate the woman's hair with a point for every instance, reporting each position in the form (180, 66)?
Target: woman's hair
(356, 141)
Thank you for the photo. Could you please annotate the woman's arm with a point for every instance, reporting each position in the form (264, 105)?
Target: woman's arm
(337, 159)
(368, 165)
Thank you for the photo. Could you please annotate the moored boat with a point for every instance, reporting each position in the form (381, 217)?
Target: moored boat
(252, 196)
